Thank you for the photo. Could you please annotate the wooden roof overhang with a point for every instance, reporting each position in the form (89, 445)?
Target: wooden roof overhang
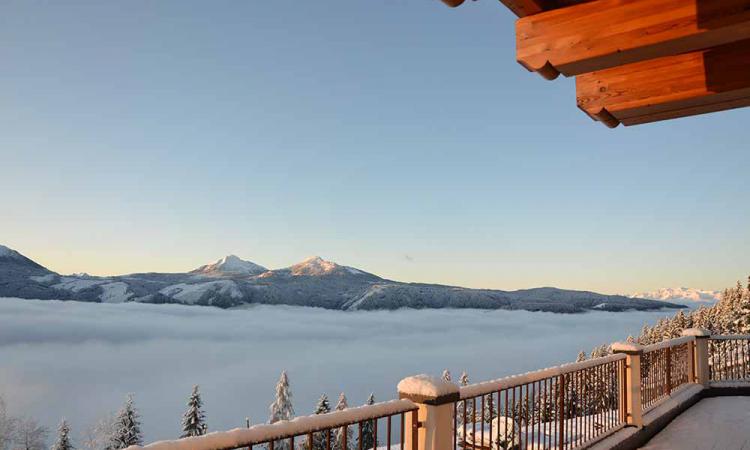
(639, 61)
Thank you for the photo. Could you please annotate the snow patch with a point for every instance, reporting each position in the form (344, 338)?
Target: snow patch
(77, 284)
(116, 292)
(192, 293)
(50, 277)
(424, 385)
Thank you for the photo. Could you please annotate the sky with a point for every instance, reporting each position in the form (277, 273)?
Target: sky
(399, 137)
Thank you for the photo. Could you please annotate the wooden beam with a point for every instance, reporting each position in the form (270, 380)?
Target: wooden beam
(669, 87)
(523, 8)
(607, 33)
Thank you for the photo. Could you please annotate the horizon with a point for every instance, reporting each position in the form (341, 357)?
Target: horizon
(400, 138)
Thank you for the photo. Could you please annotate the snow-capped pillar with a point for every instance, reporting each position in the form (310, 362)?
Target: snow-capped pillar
(631, 398)
(700, 354)
(435, 397)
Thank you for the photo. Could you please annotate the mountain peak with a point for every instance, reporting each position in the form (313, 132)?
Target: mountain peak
(314, 265)
(230, 265)
(16, 258)
(8, 252)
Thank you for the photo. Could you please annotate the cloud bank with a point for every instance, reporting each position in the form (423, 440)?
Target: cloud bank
(79, 360)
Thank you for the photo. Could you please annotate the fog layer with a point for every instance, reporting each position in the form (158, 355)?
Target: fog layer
(79, 360)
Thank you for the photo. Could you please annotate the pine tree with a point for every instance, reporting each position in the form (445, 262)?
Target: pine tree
(320, 438)
(63, 437)
(194, 420)
(581, 356)
(127, 427)
(344, 434)
(323, 405)
(368, 429)
(489, 409)
(447, 375)
(742, 322)
(281, 408)
(463, 380)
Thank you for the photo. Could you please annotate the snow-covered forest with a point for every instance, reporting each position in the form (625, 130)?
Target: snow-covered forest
(730, 315)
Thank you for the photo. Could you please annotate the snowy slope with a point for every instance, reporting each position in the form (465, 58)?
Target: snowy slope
(681, 294)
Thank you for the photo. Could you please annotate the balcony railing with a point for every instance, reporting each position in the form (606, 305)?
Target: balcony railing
(329, 431)
(664, 367)
(729, 358)
(562, 408)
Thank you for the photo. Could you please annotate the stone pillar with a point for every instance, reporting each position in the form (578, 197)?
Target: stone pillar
(435, 398)
(632, 400)
(701, 354)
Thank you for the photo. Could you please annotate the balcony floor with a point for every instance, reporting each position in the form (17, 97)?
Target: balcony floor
(720, 423)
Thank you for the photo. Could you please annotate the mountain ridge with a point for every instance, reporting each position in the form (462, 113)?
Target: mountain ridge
(233, 282)
(682, 294)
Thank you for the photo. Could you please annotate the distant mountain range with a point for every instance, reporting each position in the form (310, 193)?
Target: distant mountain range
(233, 282)
(681, 294)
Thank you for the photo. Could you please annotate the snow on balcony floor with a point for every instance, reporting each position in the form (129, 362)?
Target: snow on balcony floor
(713, 423)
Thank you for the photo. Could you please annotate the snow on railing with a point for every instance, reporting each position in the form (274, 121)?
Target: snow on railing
(317, 432)
(560, 407)
(729, 358)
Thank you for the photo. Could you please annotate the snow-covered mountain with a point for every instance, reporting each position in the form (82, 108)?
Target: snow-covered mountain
(231, 282)
(681, 294)
(230, 265)
(315, 266)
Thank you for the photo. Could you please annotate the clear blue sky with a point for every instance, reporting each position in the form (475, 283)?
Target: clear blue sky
(400, 137)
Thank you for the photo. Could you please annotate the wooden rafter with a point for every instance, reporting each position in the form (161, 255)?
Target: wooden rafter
(705, 81)
(608, 33)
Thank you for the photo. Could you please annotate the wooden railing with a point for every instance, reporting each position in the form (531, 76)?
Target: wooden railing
(331, 431)
(664, 367)
(558, 408)
(729, 358)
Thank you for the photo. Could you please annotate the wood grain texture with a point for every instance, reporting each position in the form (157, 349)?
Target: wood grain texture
(608, 33)
(664, 88)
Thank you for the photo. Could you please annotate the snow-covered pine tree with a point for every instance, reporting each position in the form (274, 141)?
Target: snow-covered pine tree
(127, 427)
(742, 322)
(323, 405)
(343, 439)
(320, 438)
(581, 356)
(463, 380)
(447, 375)
(281, 408)
(63, 437)
(489, 409)
(194, 419)
(368, 429)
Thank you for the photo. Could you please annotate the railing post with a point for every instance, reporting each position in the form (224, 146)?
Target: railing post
(700, 363)
(633, 408)
(433, 429)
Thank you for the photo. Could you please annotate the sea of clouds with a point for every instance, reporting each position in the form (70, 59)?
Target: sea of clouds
(79, 360)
